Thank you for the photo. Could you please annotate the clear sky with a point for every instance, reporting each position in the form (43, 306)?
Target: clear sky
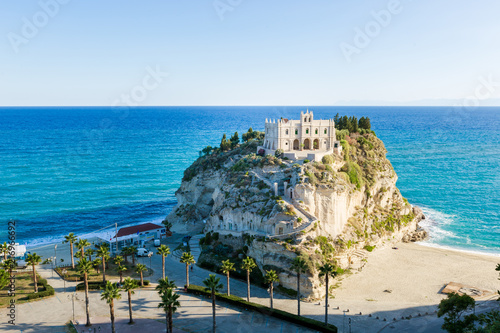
(248, 52)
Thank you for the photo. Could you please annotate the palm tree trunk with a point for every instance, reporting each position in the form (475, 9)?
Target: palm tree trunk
(112, 314)
(133, 259)
(90, 257)
(271, 288)
(121, 277)
(298, 294)
(213, 308)
(163, 266)
(170, 321)
(187, 275)
(103, 270)
(131, 321)
(87, 307)
(248, 286)
(326, 302)
(228, 291)
(72, 258)
(142, 281)
(34, 278)
(166, 321)
(81, 250)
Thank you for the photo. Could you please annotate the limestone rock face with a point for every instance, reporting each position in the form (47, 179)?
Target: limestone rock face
(333, 212)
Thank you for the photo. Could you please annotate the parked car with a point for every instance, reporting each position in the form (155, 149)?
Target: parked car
(142, 252)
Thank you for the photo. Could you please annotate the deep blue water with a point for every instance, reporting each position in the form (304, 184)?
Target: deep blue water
(81, 169)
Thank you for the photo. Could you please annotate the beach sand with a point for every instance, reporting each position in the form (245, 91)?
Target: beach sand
(415, 275)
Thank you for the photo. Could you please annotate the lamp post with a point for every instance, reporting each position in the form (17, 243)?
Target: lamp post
(64, 272)
(55, 253)
(150, 255)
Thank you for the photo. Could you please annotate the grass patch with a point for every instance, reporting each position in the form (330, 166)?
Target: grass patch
(25, 289)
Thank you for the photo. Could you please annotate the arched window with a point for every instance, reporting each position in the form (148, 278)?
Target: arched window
(326, 131)
(296, 132)
(307, 130)
(286, 132)
(316, 131)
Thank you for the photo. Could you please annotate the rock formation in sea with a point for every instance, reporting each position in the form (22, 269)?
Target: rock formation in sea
(274, 209)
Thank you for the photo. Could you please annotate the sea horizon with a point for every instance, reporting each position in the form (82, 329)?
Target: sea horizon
(90, 167)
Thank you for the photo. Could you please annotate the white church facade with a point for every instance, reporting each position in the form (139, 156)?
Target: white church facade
(301, 139)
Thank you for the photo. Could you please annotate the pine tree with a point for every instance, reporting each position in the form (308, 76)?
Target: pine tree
(235, 139)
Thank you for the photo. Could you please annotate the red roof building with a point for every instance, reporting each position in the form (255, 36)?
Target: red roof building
(139, 229)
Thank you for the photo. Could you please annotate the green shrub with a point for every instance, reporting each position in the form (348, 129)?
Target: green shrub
(306, 161)
(342, 134)
(48, 290)
(283, 315)
(327, 159)
(369, 248)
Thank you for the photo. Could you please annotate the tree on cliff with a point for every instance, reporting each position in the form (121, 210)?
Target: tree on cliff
(188, 259)
(71, 239)
(227, 267)
(327, 270)
(224, 144)
(235, 139)
(248, 265)
(299, 266)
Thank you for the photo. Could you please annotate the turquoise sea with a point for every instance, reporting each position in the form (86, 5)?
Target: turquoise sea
(83, 169)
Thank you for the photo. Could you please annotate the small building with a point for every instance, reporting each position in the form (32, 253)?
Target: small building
(301, 139)
(142, 232)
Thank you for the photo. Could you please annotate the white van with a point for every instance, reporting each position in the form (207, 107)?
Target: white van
(142, 252)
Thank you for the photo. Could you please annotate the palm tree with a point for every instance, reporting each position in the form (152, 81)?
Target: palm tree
(212, 284)
(33, 260)
(4, 278)
(110, 293)
(327, 270)
(89, 253)
(167, 224)
(120, 270)
(9, 265)
(125, 253)
(188, 259)
(299, 266)
(248, 265)
(140, 268)
(270, 278)
(81, 244)
(71, 238)
(4, 248)
(103, 252)
(84, 268)
(96, 263)
(118, 260)
(129, 285)
(164, 285)
(169, 304)
(227, 267)
(163, 251)
(132, 250)
(78, 255)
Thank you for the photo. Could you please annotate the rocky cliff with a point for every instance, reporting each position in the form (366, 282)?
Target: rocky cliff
(331, 211)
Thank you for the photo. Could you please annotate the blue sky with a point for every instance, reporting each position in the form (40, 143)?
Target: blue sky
(242, 52)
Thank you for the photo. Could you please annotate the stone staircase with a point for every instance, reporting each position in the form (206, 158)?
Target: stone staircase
(194, 244)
